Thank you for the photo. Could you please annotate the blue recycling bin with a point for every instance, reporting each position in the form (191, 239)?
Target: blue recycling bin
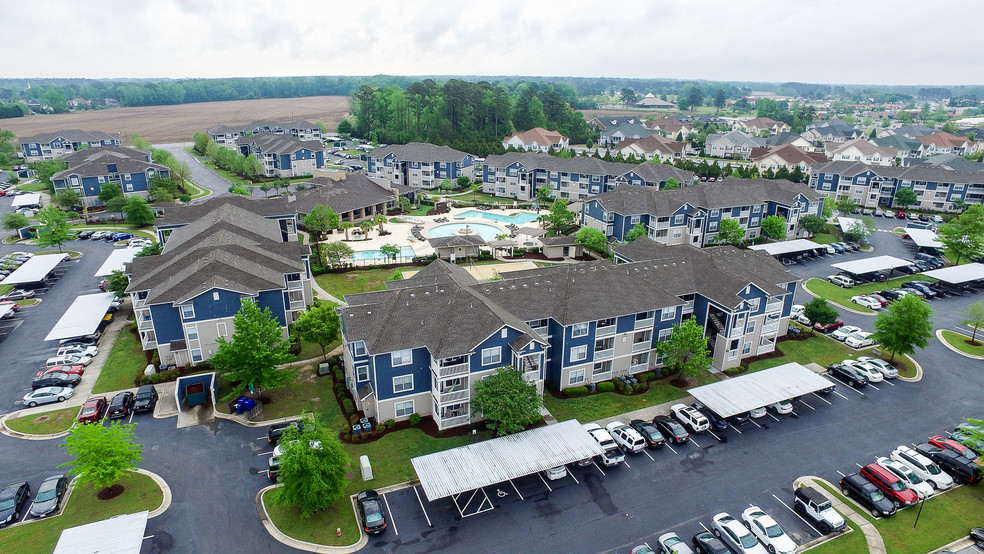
(248, 404)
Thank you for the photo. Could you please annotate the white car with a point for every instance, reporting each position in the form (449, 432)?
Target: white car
(869, 371)
(768, 531)
(923, 466)
(796, 311)
(782, 407)
(860, 339)
(555, 473)
(830, 249)
(612, 455)
(671, 543)
(78, 349)
(690, 418)
(881, 365)
(27, 212)
(908, 476)
(844, 332)
(757, 412)
(69, 359)
(735, 535)
(867, 302)
(628, 438)
(47, 395)
(279, 450)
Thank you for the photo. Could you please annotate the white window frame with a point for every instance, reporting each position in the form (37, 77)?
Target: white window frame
(359, 348)
(402, 406)
(494, 355)
(667, 314)
(746, 349)
(678, 219)
(401, 357)
(221, 329)
(187, 311)
(359, 370)
(754, 304)
(576, 377)
(402, 386)
(579, 353)
(580, 330)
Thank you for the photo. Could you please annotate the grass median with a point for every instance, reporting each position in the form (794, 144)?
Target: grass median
(45, 423)
(125, 362)
(353, 282)
(842, 296)
(963, 343)
(824, 350)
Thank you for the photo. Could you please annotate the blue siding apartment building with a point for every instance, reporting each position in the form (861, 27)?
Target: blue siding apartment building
(90, 168)
(419, 164)
(284, 155)
(48, 146)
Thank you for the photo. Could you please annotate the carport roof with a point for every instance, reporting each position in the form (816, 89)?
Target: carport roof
(116, 260)
(745, 393)
(33, 199)
(786, 247)
(846, 223)
(867, 265)
(82, 317)
(120, 534)
(924, 238)
(958, 273)
(473, 466)
(33, 270)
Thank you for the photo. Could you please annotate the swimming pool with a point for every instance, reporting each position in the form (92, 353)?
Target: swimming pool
(518, 219)
(405, 252)
(487, 232)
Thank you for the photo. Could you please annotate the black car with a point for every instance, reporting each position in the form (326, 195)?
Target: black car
(977, 535)
(370, 509)
(830, 389)
(56, 379)
(277, 431)
(273, 468)
(84, 235)
(12, 499)
(927, 292)
(848, 374)
(717, 422)
(146, 399)
(890, 295)
(867, 494)
(671, 429)
(49, 496)
(649, 432)
(957, 466)
(707, 543)
(121, 405)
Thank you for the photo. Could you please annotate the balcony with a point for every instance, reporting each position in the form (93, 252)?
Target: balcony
(542, 331)
(604, 354)
(642, 346)
(766, 348)
(605, 331)
(773, 307)
(447, 422)
(601, 376)
(445, 371)
(295, 285)
(146, 325)
(452, 396)
(138, 302)
(770, 328)
(688, 307)
(636, 368)
(297, 305)
(532, 376)
(644, 323)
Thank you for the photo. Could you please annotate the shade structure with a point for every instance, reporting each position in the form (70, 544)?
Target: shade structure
(33, 199)
(924, 238)
(116, 260)
(786, 246)
(83, 317)
(745, 393)
(34, 270)
(868, 265)
(958, 273)
(122, 534)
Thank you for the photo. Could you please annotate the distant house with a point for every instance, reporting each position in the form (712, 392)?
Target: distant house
(863, 151)
(756, 125)
(419, 165)
(90, 168)
(794, 139)
(654, 147)
(228, 135)
(284, 155)
(612, 135)
(734, 145)
(832, 130)
(653, 102)
(537, 139)
(912, 131)
(905, 147)
(945, 143)
(564, 246)
(48, 146)
(789, 157)
(601, 123)
(671, 128)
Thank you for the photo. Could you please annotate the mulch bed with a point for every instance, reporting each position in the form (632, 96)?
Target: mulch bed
(110, 492)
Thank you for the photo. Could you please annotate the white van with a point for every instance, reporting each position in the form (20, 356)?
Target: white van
(841, 281)
(690, 418)
(626, 437)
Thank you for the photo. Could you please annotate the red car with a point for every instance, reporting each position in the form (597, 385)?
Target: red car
(949, 444)
(70, 369)
(10, 303)
(830, 327)
(881, 299)
(93, 409)
(891, 484)
(900, 215)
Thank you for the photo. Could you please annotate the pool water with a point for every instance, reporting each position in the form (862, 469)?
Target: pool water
(517, 219)
(487, 232)
(405, 252)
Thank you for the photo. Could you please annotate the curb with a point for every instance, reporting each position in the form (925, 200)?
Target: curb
(919, 371)
(165, 488)
(873, 538)
(282, 538)
(939, 336)
(29, 436)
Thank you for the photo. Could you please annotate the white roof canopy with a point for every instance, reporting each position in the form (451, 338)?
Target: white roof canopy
(958, 273)
(470, 467)
(82, 317)
(867, 265)
(846, 223)
(786, 246)
(123, 534)
(745, 393)
(33, 270)
(26, 200)
(116, 260)
(924, 238)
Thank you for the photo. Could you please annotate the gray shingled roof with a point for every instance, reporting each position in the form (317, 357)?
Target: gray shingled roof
(94, 162)
(270, 143)
(586, 165)
(918, 172)
(266, 207)
(259, 126)
(71, 135)
(420, 152)
(355, 191)
(456, 240)
(630, 200)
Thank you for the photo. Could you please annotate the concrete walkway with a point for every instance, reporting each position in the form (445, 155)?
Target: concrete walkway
(876, 545)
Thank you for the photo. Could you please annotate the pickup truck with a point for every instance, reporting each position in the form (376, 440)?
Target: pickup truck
(613, 455)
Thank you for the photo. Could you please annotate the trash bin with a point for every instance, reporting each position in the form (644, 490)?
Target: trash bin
(248, 404)
(592, 387)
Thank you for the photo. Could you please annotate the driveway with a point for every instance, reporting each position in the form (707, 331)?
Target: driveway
(200, 175)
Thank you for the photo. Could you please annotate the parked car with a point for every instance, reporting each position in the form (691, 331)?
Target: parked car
(869, 371)
(121, 405)
(49, 496)
(18, 294)
(68, 359)
(12, 499)
(848, 374)
(277, 431)
(923, 467)
(941, 442)
(48, 395)
(837, 247)
(830, 327)
(890, 294)
(756, 413)
(626, 437)
(282, 447)
(735, 535)
(911, 479)
(795, 311)
(120, 236)
(831, 388)
(929, 259)
(671, 543)
(70, 369)
(146, 399)
(612, 455)
(104, 284)
(860, 339)
(56, 379)
(956, 465)
(900, 214)
(891, 484)
(867, 302)
(706, 543)
(673, 431)
(767, 531)
(555, 473)
(841, 281)
(84, 235)
(78, 350)
(886, 369)
(93, 409)
(918, 289)
(370, 508)
(273, 468)
(865, 493)
(690, 418)
(717, 422)
(783, 407)
(844, 331)
(811, 504)
(649, 432)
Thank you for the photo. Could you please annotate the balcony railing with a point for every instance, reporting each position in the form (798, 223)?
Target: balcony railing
(297, 305)
(139, 302)
(605, 331)
(644, 323)
(452, 396)
(146, 325)
(449, 370)
(295, 285)
(641, 346)
(688, 307)
(635, 368)
(770, 328)
(542, 331)
(773, 307)
(447, 422)
(766, 348)
(532, 375)
(604, 354)
(601, 376)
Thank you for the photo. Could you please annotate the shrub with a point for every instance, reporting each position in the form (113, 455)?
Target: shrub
(440, 432)
(339, 374)
(347, 406)
(628, 389)
(644, 378)
(390, 423)
(575, 391)
(356, 438)
(606, 386)
(133, 327)
(347, 435)
(414, 418)
(185, 197)
(353, 419)
(161, 377)
(619, 385)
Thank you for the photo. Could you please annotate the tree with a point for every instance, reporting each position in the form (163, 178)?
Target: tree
(162, 189)
(335, 252)
(560, 217)
(828, 207)
(108, 191)
(720, 100)
(317, 223)
(731, 232)
(320, 325)
(102, 453)
(180, 170)
(974, 317)
(201, 142)
(639, 230)
(54, 229)
(543, 195)
(686, 349)
(860, 229)
(365, 226)
(344, 127)
(391, 251)
(508, 402)
(116, 205)
(118, 281)
(256, 349)
(67, 198)
(313, 478)
(379, 219)
(44, 170)
(671, 184)
(813, 224)
(152, 250)
(404, 204)
(695, 97)
(13, 221)
(818, 310)
(463, 181)
(592, 239)
(905, 197)
(963, 237)
(346, 225)
(774, 227)
(446, 185)
(847, 205)
(906, 325)
(139, 143)
(137, 211)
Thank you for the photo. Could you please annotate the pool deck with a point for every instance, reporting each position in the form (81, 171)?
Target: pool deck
(488, 271)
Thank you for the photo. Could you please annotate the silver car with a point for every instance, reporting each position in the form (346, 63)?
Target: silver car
(47, 395)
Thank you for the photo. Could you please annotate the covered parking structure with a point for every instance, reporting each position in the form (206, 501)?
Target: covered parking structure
(748, 392)
(924, 238)
(846, 223)
(958, 274)
(34, 271)
(83, 317)
(470, 468)
(122, 534)
(871, 265)
(26, 201)
(116, 260)
(789, 249)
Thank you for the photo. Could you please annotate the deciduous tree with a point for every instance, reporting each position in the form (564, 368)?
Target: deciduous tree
(592, 239)
(13, 221)
(813, 224)
(907, 324)
(508, 402)
(313, 477)
(67, 198)
(905, 197)
(731, 232)
(561, 218)
(137, 211)
(671, 184)
(774, 227)
(108, 191)
(686, 349)
(639, 230)
(820, 311)
(118, 281)
(319, 324)
(54, 229)
(101, 454)
(963, 237)
(391, 251)
(335, 252)
(973, 317)
(256, 349)
(317, 223)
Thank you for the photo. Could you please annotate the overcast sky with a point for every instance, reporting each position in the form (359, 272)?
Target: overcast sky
(816, 41)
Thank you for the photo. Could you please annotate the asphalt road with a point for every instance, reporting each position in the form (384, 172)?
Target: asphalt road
(200, 175)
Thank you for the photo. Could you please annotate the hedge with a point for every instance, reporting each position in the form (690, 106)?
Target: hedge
(606, 386)
(348, 406)
(575, 391)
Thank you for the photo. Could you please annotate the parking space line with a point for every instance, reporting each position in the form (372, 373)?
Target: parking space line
(598, 467)
(258, 438)
(754, 423)
(735, 428)
(874, 387)
(265, 453)
(390, 510)
(704, 526)
(840, 395)
(797, 515)
(517, 490)
(544, 484)
(857, 464)
(571, 473)
(807, 405)
(670, 447)
(772, 416)
(846, 385)
(650, 455)
(889, 383)
(695, 442)
(821, 398)
(841, 474)
(427, 517)
(626, 463)
(713, 435)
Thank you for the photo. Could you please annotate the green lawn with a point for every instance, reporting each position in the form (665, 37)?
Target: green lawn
(47, 423)
(4, 289)
(842, 296)
(194, 190)
(944, 519)
(824, 351)
(142, 493)
(959, 341)
(320, 527)
(830, 236)
(33, 187)
(607, 404)
(308, 393)
(340, 284)
(125, 362)
(850, 543)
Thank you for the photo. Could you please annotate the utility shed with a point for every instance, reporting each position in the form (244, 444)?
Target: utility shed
(787, 247)
(83, 317)
(122, 534)
(868, 265)
(743, 394)
(958, 273)
(34, 270)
